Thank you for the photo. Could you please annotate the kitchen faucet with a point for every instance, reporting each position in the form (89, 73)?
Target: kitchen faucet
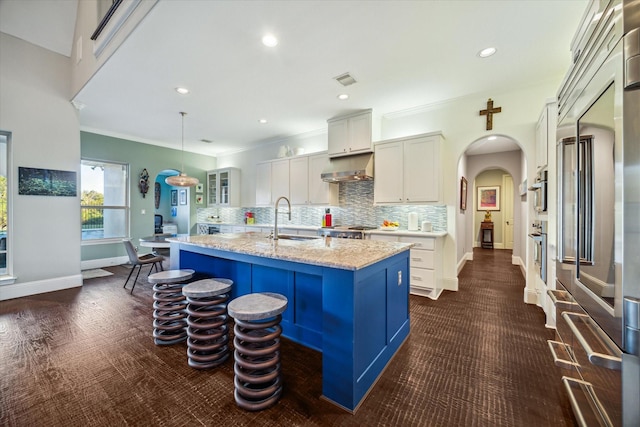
(275, 227)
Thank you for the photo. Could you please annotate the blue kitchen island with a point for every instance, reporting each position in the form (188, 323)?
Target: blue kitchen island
(348, 299)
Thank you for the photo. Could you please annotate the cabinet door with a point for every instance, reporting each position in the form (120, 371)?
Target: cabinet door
(299, 180)
(263, 184)
(338, 134)
(279, 179)
(320, 192)
(212, 188)
(388, 182)
(421, 170)
(360, 133)
(541, 139)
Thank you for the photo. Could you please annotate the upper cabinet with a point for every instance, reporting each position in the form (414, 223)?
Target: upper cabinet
(545, 133)
(297, 178)
(223, 187)
(408, 170)
(350, 134)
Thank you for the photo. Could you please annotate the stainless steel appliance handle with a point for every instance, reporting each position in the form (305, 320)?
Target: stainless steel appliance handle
(609, 361)
(591, 414)
(567, 303)
(557, 347)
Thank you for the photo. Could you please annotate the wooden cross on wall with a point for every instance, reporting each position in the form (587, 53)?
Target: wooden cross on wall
(489, 112)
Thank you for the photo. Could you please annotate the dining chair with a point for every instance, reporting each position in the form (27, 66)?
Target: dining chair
(139, 260)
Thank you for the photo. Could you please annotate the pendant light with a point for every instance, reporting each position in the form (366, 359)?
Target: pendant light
(182, 180)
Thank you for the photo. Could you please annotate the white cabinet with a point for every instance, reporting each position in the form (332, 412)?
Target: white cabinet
(226, 229)
(297, 178)
(305, 185)
(279, 179)
(425, 263)
(425, 272)
(349, 134)
(545, 133)
(223, 187)
(408, 170)
(272, 181)
(263, 184)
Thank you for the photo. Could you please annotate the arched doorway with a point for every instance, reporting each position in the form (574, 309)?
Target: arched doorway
(171, 204)
(493, 161)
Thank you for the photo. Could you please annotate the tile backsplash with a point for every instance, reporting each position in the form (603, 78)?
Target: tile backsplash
(356, 208)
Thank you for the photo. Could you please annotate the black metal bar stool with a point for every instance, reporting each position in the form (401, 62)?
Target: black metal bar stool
(207, 329)
(258, 383)
(169, 316)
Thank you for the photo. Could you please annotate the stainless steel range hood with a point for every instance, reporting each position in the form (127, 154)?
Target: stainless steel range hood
(358, 167)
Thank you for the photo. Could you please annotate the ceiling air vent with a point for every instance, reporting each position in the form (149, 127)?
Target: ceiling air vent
(345, 79)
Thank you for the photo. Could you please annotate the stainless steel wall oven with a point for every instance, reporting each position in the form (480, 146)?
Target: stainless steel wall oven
(597, 294)
(539, 190)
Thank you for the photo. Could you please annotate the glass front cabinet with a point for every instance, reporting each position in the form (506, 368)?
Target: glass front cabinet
(223, 187)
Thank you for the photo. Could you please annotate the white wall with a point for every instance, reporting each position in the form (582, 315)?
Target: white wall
(44, 243)
(461, 125)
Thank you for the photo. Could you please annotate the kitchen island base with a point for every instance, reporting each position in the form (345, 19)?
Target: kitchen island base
(357, 318)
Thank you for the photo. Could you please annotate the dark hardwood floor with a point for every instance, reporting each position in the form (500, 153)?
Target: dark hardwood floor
(85, 357)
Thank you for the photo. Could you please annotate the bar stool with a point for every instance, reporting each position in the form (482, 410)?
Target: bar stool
(258, 383)
(169, 306)
(207, 329)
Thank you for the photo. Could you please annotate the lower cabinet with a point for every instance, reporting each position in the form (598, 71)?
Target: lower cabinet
(425, 261)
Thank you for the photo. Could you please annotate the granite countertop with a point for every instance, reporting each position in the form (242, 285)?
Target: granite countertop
(401, 232)
(345, 254)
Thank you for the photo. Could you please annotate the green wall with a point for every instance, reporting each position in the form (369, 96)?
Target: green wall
(139, 156)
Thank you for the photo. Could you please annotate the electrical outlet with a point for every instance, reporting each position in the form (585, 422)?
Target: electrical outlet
(143, 211)
(399, 278)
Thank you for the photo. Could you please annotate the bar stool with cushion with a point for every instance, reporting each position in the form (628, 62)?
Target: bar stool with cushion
(139, 260)
(169, 315)
(258, 384)
(207, 329)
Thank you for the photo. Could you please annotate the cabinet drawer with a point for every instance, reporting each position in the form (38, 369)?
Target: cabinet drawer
(422, 278)
(421, 242)
(421, 258)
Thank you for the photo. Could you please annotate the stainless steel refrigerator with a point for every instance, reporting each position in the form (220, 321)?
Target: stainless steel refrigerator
(597, 294)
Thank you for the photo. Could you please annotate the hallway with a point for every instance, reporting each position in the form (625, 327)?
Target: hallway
(477, 357)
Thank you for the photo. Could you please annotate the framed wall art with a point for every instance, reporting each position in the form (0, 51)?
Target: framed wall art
(489, 198)
(46, 182)
(183, 196)
(199, 188)
(463, 193)
(199, 199)
(174, 197)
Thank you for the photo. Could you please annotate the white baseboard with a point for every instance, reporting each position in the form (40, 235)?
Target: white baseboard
(466, 257)
(450, 283)
(18, 290)
(103, 262)
(530, 296)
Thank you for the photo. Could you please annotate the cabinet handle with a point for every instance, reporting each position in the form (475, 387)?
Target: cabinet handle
(416, 278)
(591, 405)
(416, 259)
(613, 360)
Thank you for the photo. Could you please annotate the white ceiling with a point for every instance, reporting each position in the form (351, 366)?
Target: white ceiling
(403, 54)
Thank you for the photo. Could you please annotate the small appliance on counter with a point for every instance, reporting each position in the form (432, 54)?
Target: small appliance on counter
(412, 223)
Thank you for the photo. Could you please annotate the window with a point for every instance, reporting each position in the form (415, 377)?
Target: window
(4, 201)
(104, 201)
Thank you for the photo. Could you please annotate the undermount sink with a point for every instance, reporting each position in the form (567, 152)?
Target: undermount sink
(296, 237)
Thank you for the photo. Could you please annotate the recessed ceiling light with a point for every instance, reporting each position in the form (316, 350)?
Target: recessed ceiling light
(485, 53)
(269, 40)
(343, 96)
(182, 90)
(492, 138)
(263, 121)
